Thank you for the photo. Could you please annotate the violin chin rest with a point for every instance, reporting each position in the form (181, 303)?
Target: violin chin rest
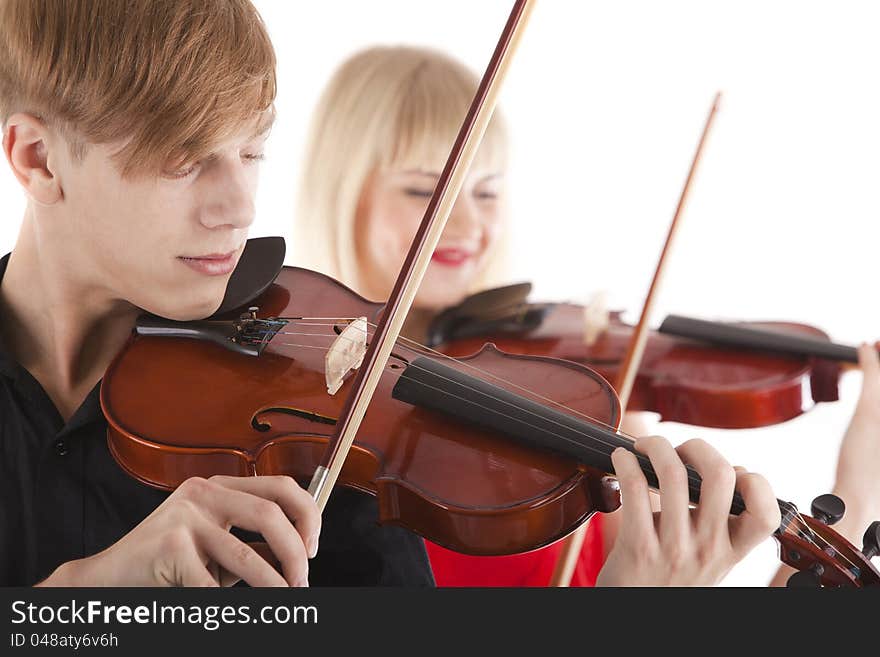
(258, 267)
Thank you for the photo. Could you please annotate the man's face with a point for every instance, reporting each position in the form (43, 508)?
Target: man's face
(166, 244)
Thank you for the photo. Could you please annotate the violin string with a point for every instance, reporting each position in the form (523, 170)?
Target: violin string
(558, 404)
(316, 321)
(819, 537)
(509, 310)
(806, 531)
(322, 321)
(474, 368)
(644, 461)
(478, 370)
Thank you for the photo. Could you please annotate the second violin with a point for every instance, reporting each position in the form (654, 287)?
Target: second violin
(711, 374)
(472, 453)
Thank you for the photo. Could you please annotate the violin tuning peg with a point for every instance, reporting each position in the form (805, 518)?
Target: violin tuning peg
(828, 509)
(871, 540)
(804, 579)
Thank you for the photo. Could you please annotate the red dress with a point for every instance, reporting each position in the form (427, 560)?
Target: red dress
(530, 569)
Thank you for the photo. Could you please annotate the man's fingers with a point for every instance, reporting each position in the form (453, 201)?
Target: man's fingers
(287, 494)
(224, 576)
(716, 489)
(760, 519)
(191, 570)
(236, 557)
(637, 517)
(674, 498)
(255, 513)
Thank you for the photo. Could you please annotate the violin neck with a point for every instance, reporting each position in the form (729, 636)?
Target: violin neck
(430, 384)
(762, 339)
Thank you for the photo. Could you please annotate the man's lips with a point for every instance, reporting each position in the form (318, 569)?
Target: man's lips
(452, 257)
(213, 264)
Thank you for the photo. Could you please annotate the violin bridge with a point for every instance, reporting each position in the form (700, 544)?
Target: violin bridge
(596, 318)
(345, 354)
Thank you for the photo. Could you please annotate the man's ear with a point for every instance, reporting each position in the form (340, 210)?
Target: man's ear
(26, 143)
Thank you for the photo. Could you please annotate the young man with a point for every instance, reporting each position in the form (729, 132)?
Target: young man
(134, 128)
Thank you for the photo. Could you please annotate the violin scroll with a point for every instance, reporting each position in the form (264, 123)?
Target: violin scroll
(820, 555)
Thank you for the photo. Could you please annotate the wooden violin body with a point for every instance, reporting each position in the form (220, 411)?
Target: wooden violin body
(179, 408)
(458, 451)
(683, 380)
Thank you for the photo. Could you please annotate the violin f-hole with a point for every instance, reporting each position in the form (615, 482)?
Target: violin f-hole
(263, 426)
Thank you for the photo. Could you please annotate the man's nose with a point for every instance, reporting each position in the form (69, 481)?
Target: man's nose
(232, 200)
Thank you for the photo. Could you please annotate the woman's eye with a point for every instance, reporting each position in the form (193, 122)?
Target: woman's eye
(419, 193)
(486, 196)
(254, 157)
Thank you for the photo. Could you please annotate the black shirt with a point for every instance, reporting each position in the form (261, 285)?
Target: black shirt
(63, 497)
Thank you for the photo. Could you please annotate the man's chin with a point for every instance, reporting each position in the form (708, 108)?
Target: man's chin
(187, 310)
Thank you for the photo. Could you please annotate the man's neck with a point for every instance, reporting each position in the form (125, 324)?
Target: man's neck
(60, 328)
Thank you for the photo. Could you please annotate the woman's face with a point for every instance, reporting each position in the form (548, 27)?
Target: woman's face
(390, 208)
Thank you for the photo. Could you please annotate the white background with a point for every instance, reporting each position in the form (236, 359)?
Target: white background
(605, 103)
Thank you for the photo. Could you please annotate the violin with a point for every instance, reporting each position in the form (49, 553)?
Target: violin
(470, 453)
(491, 454)
(710, 374)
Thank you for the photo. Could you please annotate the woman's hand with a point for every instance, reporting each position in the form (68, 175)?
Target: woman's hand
(680, 546)
(858, 463)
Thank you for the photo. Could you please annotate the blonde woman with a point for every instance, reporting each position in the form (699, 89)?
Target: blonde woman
(379, 139)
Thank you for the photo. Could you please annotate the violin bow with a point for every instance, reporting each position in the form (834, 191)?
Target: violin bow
(573, 543)
(417, 260)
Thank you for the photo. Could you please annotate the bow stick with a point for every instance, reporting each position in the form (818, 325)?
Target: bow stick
(442, 200)
(573, 543)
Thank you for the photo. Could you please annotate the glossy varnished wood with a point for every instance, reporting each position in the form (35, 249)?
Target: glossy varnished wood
(179, 408)
(682, 380)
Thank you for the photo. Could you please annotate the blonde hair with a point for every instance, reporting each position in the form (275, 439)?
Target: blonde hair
(385, 106)
(170, 78)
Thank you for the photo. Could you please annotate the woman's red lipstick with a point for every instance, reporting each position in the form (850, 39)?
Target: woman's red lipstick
(451, 257)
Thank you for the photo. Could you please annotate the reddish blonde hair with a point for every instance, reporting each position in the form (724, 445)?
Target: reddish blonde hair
(170, 79)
